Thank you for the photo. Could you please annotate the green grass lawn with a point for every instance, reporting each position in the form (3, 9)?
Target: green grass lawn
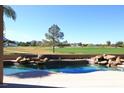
(91, 50)
(76, 50)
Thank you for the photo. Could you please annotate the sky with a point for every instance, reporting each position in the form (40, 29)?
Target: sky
(79, 23)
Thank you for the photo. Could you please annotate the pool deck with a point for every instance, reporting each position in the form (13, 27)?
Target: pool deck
(93, 79)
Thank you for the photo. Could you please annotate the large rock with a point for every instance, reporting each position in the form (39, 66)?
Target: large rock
(103, 62)
(100, 59)
(109, 56)
(120, 66)
(114, 63)
(109, 60)
(18, 59)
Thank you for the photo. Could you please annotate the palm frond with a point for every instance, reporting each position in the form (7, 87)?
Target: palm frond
(9, 12)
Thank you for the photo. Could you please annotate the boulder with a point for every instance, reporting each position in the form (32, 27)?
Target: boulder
(40, 56)
(103, 62)
(118, 60)
(120, 66)
(45, 59)
(109, 56)
(18, 59)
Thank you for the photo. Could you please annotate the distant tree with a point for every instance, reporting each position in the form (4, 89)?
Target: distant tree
(80, 44)
(54, 35)
(85, 45)
(38, 43)
(33, 43)
(65, 42)
(24, 44)
(46, 43)
(119, 44)
(21, 44)
(61, 45)
(28, 44)
(108, 43)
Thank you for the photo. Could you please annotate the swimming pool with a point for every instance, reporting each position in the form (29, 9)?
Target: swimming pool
(11, 70)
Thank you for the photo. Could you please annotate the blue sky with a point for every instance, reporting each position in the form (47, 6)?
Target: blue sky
(86, 24)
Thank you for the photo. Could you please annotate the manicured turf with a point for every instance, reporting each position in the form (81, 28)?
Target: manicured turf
(76, 50)
(91, 50)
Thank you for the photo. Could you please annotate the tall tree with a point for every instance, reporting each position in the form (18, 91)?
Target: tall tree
(9, 12)
(108, 43)
(54, 35)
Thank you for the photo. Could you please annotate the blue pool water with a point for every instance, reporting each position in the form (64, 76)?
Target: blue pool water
(78, 70)
(13, 70)
(84, 69)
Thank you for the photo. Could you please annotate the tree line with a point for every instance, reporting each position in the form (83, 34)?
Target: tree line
(53, 39)
(46, 43)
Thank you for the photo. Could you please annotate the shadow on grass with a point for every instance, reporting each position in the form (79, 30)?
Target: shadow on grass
(12, 85)
(32, 74)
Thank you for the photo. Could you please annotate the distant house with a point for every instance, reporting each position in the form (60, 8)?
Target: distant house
(9, 43)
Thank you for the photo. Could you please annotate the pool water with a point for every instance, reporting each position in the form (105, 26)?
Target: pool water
(80, 69)
(13, 70)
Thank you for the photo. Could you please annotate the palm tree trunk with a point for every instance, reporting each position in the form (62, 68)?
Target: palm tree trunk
(1, 44)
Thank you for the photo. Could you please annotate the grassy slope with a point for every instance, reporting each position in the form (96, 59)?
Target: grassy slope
(41, 50)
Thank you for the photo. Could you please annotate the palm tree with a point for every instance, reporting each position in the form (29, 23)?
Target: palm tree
(9, 12)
